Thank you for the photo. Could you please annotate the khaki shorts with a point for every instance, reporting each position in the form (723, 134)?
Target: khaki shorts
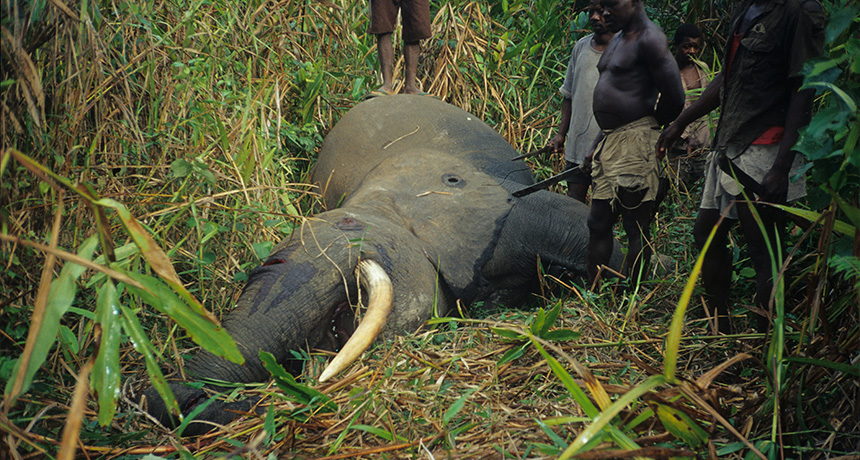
(627, 160)
(721, 190)
(415, 18)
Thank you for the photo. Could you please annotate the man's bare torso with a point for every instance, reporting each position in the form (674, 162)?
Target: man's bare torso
(634, 68)
(690, 77)
(625, 91)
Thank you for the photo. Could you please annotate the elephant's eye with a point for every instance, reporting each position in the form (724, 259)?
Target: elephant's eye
(453, 180)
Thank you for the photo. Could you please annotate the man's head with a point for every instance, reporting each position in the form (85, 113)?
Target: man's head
(688, 42)
(595, 17)
(618, 14)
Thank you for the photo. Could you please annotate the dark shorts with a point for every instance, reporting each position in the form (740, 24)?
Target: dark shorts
(578, 176)
(415, 16)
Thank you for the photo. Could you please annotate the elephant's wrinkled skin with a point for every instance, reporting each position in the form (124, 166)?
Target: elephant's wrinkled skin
(424, 189)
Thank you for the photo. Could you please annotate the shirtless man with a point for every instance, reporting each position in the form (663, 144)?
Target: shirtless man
(635, 67)
(762, 110)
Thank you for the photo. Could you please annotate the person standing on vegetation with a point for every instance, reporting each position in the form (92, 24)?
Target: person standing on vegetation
(686, 158)
(415, 19)
(762, 109)
(579, 126)
(635, 68)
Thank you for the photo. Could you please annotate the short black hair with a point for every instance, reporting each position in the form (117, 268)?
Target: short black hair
(687, 30)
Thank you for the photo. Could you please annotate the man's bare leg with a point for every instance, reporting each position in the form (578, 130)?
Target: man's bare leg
(717, 266)
(385, 48)
(600, 222)
(411, 51)
(757, 245)
(636, 218)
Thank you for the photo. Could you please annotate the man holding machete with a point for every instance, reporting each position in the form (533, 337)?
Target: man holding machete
(579, 126)
(762, 110)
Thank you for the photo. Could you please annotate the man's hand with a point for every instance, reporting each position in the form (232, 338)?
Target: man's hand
(556, 144)
(586, 162)
(667, 139)
(775, 186)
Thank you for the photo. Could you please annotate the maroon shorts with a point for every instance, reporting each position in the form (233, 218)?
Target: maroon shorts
(414, 14)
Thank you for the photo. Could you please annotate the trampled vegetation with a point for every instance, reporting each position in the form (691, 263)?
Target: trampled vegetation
(164, 147)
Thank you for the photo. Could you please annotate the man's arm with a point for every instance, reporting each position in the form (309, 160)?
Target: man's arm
(708, 101)
(556, 144)
(775, 182)
(586, 163)
(665, 75)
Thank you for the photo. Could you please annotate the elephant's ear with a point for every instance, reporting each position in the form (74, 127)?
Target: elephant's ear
(455, 210)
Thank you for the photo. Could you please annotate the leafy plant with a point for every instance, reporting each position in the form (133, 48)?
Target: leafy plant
(540, 326)
(165, 293)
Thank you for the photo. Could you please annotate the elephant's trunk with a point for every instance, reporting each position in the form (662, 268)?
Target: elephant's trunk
(378, 285)
(287, 305)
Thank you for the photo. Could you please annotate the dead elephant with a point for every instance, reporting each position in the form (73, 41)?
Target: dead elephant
(424, 195)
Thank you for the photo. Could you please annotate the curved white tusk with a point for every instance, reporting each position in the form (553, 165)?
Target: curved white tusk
(378, 285)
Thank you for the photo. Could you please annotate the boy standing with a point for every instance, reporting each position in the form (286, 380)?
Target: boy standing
(415, 18)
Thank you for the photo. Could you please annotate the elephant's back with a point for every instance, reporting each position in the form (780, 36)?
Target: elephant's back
(383, 126)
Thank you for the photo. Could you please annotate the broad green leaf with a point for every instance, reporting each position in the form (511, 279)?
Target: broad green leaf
(106, 372)
(681, 426)
(60, 297)
(208, 335)
(513, 354)
(69, 339)
(141, 343)
(180, 168)
(537, 324)
(456, 407)
(269, 424)
(838, 23)
(561, 335)
(551, 316)
(302, 393)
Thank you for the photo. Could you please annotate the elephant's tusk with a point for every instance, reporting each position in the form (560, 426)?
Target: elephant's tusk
(378, 285)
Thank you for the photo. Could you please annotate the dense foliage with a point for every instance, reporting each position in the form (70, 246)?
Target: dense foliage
(163, 147)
